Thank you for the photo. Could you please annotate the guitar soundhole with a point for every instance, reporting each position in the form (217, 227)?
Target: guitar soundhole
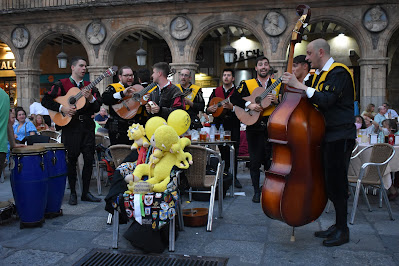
(258, 100)
(136, 96)
(72, 100)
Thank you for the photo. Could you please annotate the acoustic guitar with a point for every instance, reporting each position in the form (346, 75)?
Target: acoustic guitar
(219, 102)
(75, 97)
(195, 216)
(258, 96)
(129, 106)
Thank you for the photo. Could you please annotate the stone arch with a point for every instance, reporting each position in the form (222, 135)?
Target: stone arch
(7, 40)
(357, 34)
(114, 39)
(39, 43)
(392, 52)
(208, 25)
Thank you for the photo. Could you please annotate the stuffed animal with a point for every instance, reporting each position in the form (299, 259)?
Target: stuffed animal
(136, 132)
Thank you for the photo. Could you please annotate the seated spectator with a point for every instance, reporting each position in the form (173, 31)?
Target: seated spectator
(359, 122)
(102, 117)
(369, 110)
(23, 128)
(382, 110)
(36, 108)
(38, 121)
(390, 114)
(372, 127)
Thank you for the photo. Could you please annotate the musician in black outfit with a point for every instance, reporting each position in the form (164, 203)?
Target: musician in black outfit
(78, 134)
(113, 94)
(228, 118)
(333, 92)
(259, 148)
(301, 68)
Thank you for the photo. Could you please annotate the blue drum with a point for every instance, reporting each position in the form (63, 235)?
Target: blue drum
(55, 160)
(29, 180)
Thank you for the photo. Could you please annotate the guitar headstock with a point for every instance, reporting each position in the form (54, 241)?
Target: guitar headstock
(303, 12)
(111, 71)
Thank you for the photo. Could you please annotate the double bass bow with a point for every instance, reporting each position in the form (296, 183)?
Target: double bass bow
(294, 188)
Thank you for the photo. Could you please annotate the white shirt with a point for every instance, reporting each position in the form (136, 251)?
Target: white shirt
(37, 109)
(310, 91)
(393, 113)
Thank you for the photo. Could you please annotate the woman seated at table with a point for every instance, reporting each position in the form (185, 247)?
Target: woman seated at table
(38, 121)
(372, 127)
(369, 110)
(23, 128)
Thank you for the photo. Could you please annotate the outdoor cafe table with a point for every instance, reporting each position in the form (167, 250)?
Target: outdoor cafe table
(229, 143)
(356, 163)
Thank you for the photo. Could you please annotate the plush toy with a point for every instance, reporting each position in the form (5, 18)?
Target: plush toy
(136, 132)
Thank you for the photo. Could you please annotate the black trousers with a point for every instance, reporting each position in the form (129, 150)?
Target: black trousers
(117, 131)
(78, 137)
(336, 158)
(260, 151)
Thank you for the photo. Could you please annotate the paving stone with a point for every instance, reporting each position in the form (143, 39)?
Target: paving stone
(33, 257)
(87, 224)
(347, 257)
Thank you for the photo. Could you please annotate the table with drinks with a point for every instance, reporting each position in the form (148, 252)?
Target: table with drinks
(216, 138)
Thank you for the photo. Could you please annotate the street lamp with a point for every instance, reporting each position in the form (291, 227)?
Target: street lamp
(62, 57)
(141, 54)
(229, 51)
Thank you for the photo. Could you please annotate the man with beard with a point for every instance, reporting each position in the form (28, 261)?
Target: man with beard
(113, 94)
(78, 135)
(228, 119)
(259, 148)
(194, 101)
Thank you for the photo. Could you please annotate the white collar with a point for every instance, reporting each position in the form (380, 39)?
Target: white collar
(306, 78)
(326, 67)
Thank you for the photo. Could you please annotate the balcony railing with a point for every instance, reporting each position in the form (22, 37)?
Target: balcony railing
(16, 6)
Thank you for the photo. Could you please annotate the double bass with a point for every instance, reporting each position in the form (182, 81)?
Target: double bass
(294, 187)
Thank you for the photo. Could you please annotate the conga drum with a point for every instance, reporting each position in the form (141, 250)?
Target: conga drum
(55, 159)
(29, 180)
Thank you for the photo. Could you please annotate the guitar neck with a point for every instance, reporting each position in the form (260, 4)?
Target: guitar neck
(90, 86)
(146, 90)
(271, 87)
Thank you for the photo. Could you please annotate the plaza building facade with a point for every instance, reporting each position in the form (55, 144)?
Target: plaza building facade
(193, 34)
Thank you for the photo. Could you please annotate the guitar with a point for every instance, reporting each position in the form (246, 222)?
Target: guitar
(258, 96)
(74, 97)
(219, 102)
(129, 106)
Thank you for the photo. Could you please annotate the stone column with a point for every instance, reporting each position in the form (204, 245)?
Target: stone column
(373, 79)
(179, 66)
(28, 86)
(280, 66)
(95, 72)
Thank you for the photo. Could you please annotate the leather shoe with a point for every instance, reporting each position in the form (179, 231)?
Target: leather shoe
(90, 197)
(326, 233)
(256, 197)
(73, 199)
(338, 238)
(237, 183)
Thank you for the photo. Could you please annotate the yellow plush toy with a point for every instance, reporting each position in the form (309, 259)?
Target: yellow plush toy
(159, 174)
(136, 132)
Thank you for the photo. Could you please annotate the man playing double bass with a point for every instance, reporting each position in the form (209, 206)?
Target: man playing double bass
(260, 149)
(333, 92)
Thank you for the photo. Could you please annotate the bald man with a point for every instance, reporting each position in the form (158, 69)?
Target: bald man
(332, 91)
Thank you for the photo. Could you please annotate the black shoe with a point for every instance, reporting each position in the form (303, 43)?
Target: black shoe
(237, 183)
(90, 197)
(338, 238)
(326, 233)
(73, 199)
(256, 197)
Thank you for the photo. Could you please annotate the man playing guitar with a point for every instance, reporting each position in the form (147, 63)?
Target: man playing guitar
(228, 119)
(78, 135)
(113, 94)
(194, 101)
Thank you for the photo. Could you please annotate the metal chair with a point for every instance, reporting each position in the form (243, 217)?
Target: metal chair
(371, 174)
(98, 156)
(197, 178)
(55, 136)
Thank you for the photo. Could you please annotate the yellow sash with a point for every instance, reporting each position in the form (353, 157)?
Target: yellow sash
(193, 93)
(320, 83)
(117, 86)
(252, 84)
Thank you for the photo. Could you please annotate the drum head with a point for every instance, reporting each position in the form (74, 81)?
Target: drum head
(51, 146)
(28, 150)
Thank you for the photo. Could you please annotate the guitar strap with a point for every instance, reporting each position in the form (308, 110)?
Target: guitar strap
(193, 93)
(252, 84)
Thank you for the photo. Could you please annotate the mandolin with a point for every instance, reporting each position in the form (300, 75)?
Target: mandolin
(258, 96)
(219, 102)
(75, 97)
